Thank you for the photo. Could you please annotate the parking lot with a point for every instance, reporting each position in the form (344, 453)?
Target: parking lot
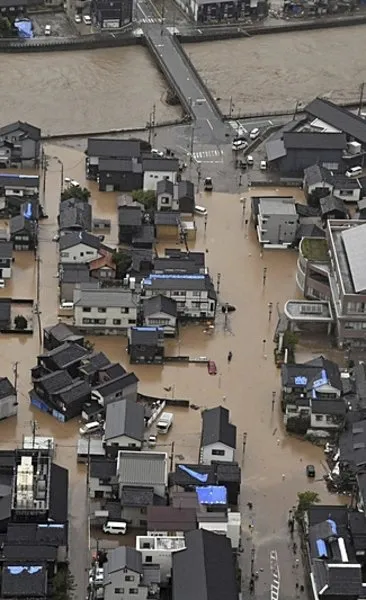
(61, 26)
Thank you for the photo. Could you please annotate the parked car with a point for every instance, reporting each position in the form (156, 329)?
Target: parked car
(151, 442)
(78, 18)
(200, 210)
(238, 145)
(90, 428)
(250, 160)
(47, 30)
(211, 367)
(115, 527)
(310, 471)
(263, 165)
(157, 152)
(354, 172)
(96, 575)
(87, 19)
(254, 133)
(208, 185)
(2, 284)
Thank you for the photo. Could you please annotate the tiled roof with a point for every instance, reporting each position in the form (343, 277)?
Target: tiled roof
(142, 468)
(124, 418)
(217, 428)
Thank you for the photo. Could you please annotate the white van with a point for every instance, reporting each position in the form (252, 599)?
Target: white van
(164, 423)
(200, 210)
(89, 428)
(354, 172)
(115, 527)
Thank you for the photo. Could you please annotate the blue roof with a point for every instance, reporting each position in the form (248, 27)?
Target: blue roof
(24, 28)
(322, 381)
(333, 526)
(154, 276)
(28, 213)
(321, 548)
(148, 328)
(212, 494)
(201, 477)
(301, 380)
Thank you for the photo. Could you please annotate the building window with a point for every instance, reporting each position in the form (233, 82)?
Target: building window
(133, 591)
(355, 325)
(87, 321)
(124, 311)
(148, 559)
(131, 321)
(159, 321)
(216, 452)
(116, 321)
(318, 417)
(119, 590)
(355, 307)
(165, 200)
(329, 419)
(196, 293)
(102, 310)
(86, 309)
(100, 321)
(129, 578)
(90, 252)
(65, 254)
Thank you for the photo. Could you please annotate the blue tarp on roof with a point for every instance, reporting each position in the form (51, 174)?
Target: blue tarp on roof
(322, 381)
(301, 380)
(28, 212)
(212, 494)
(333, 526)
(24, 28)
(321, 548)
(201, 477)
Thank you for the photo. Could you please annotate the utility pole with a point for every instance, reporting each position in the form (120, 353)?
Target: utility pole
(88, 467)
(191, 148)
(151, 125)
(243, 448)
(34, 432)
(162, 18)
(37, 311)
(172, 457)
(218, 281)
(273, 400)
(15, 371)
(362, 89)
(231, 106)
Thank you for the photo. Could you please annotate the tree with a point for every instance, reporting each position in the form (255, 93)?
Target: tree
(20, 322)
(122, 260)
(148, 198)
(305, 500)
(63, 584)
(75, 191)
(6, 29)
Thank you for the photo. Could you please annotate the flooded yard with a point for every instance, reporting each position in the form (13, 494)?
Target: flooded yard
(274, 463)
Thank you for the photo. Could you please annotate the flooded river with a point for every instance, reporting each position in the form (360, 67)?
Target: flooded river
(273, 464)
(95, 90)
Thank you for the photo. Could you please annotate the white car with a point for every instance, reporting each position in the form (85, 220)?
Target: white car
(96, 575)
(157, 152)
(254, 133)
(241, 131)
(73, 182)
(78, 19)
(90, 428)
(200, 210)
(238, 145)
(354, 172)
(47, 30)
(87, 19)
(263, 165)
(2, 284)
(151, 442)
(250, 160)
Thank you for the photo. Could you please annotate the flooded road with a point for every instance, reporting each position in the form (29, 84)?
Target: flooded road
(244, 386)
(92, 90)
(274, 72)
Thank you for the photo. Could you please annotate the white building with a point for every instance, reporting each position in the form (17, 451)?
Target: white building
(194, 294)
(160, 311)
(79, 247)
(104, 310)
(157, 169)
(159, 550)
(218, 438)
(277, 222)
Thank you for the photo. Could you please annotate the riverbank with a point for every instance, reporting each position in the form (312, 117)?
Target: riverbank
(193, 34)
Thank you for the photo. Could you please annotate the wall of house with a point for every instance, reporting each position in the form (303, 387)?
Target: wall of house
(165, 202)
(161, 320)
(113, 320)
(30, 153)
(135, 516)
(124, 442)
(151, 178)
(128, 393)
(79, 254)
(320, 421)
(278, 229)
(125, 580)
(159, 557)
(189, 304)
(98, 490)
(22, 241)
(347, 195)
(67, 291)
(122, 182)
(217, 452)
(8, 407)
(296, 160)
(5, 271)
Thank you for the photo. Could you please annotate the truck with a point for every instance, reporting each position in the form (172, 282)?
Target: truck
(164, 423)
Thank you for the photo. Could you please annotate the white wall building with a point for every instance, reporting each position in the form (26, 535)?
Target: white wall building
(159, 550)
(79, 247)
(218, 438)
(157, 169)
(107, 310)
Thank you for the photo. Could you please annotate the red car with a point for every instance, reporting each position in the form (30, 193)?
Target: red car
(211, 367)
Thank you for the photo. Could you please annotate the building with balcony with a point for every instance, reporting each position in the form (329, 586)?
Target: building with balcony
(312, 274)
(277, 222)
(347, 278)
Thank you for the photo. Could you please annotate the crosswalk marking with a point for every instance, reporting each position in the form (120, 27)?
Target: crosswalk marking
(150, 20)
(206, 154)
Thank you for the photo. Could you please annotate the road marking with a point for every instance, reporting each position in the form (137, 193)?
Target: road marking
(209, 124)
(270, 122)
(142, 10)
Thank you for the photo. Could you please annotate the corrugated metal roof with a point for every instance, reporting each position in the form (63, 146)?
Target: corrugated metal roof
(142, 468)
(124, 417)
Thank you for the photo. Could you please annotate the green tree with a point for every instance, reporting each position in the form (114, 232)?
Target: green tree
(20, 322)
(148, 198)
(305, 500)
(122, 260)
(6, 29)
(63, 585)
(75, 191)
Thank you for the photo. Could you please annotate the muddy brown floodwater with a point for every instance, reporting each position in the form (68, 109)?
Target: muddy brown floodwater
(274, 72)
(92, 90)
(244, 386)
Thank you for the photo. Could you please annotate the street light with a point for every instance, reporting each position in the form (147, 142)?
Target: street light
(56, 158)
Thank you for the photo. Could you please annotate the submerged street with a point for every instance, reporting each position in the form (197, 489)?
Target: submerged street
(273, 463)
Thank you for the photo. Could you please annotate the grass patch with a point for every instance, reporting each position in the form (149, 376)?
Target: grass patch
(315, 249)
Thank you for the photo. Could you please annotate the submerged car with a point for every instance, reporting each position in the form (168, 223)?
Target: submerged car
(211, 367)
(208, 185)
(310, 471)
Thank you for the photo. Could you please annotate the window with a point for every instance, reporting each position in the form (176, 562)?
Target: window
(129, 578)
(102, 310)
(143, 510)
(86, 309)
(216, 452)
(165, 200)
(119, 590)
(159, 321)
(116, 321)
(356, 307)
(124, 311)
(87, 321)
(345, 193)
(196, 293)
(356, 325)
(148, 559)
(81, 253)
(133, 591)
(131, 321)
(90, 252)
(318, 417)
(329, 419)
(196, 304)
(65, 254)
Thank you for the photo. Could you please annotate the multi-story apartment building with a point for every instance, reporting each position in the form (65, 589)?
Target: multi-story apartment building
(104, 310)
